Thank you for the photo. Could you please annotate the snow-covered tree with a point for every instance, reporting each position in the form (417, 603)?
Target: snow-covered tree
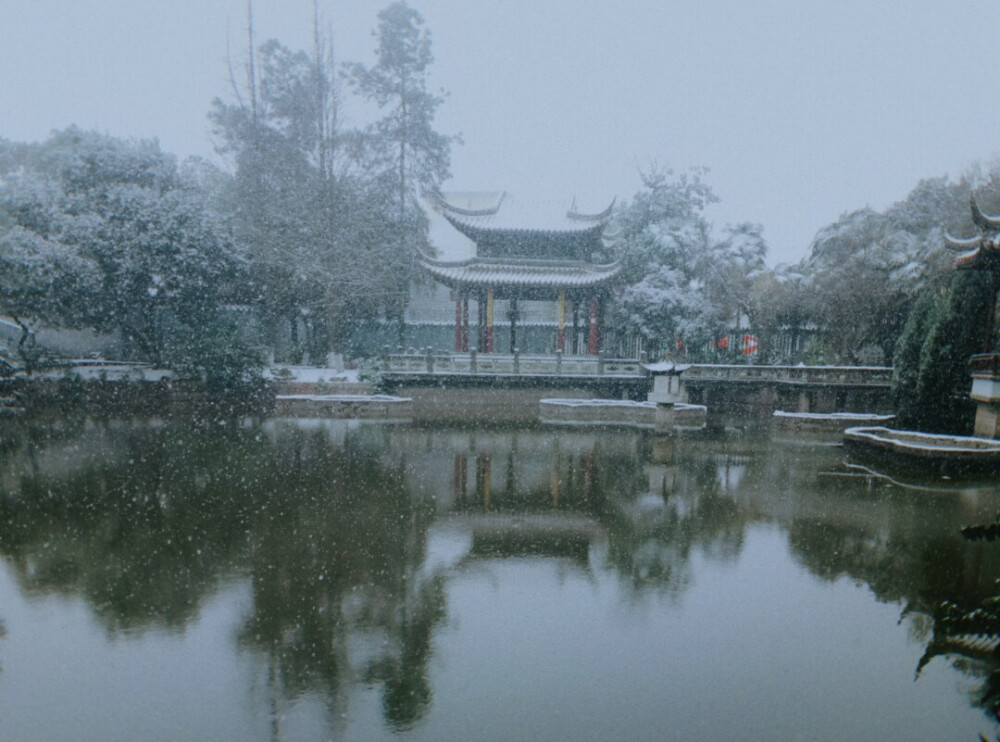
(732, 269)
(319, 217)
(108, 234)
(683, 288)
(42, 282)
(865, 269)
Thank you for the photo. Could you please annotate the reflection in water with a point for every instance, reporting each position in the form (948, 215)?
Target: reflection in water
(147, 529)
(349, 535)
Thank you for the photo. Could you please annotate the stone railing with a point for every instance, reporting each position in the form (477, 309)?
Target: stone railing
(524, 364)
(986, 365)
(877, 376)
(429, 361)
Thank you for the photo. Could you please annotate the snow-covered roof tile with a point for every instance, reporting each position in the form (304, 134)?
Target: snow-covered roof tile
(521, 273)
(501, 211)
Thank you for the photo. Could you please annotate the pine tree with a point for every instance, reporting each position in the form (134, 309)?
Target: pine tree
(403, 141)
(402, 149)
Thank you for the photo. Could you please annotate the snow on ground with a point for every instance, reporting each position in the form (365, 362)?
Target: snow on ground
(845, 416)
(310, 374)
(345, 398)
(92, 370)
(107, 371)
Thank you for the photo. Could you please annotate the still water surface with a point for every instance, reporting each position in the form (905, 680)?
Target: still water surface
(316, 580)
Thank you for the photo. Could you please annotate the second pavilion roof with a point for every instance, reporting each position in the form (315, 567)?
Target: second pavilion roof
(517, 247)
(502, 226)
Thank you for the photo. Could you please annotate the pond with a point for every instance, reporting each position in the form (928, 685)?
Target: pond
(327, 579)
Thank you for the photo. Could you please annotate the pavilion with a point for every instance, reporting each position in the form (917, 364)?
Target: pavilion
(517, 256)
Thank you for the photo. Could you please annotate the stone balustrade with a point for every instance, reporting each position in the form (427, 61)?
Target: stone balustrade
(437, 362)
(522, 364)
(855, 376)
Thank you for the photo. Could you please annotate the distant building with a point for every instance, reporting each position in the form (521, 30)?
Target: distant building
(511, 274)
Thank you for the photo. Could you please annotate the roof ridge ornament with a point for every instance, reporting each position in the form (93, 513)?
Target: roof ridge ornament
(425, 255)
(983, 221)
(954, 243)
(447, 206)
(599, 217)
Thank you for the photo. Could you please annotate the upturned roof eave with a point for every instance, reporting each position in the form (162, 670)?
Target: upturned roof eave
(476, 230)
(495, 273)
(516, 263)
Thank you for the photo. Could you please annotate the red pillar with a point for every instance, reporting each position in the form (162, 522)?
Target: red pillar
(561, 332)
(458, 325)
(465, 323)
(489, 321)
(592, 337)
(481, 321)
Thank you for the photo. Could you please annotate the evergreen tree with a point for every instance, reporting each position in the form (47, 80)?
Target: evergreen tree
(931, 379)
(403, 143)
(402, 149)
(280, 130)
(924, 316)
(944, 381)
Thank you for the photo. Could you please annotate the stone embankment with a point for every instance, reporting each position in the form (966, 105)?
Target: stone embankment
(617, 412)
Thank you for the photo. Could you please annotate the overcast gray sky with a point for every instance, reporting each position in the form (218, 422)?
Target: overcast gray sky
(801, 110)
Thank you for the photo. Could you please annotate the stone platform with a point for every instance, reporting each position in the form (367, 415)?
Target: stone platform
(986, 394)
(365, 406)
(618, 412)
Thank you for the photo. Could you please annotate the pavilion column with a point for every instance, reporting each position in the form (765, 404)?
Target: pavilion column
(465, 322)
(458, 325)
(575, 343)
(513, 323)
(593, 336)
(488, 344)
(481, 321)
(561, 332)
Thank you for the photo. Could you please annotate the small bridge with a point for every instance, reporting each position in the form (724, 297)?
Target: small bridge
(719, 386)
(791, 388)
(610, 377)
(505, 387)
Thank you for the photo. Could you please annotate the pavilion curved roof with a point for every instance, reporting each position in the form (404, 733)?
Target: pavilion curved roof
(478, 214)
(487, 272)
